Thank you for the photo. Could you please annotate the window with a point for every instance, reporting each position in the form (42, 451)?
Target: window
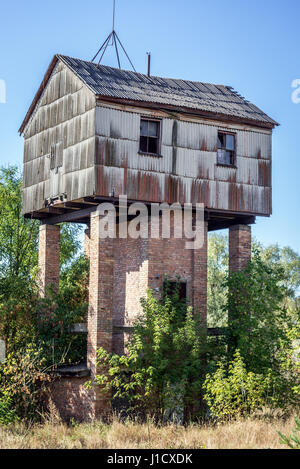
(149, 136)
(226, 149)
(171, 287)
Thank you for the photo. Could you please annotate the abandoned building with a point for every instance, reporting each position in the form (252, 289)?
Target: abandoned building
(93, 133)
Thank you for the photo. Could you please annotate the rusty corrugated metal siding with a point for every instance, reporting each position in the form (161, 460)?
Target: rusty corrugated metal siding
(65, 118)
(187, 170)
(97, 153)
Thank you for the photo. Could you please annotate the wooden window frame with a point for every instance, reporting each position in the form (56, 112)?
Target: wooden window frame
(233, 163)
(159, 121)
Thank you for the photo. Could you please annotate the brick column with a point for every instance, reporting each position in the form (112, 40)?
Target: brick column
(87, 234)
(199, 280)
(239, 247)
(100, 316)
(49, 251)
(239, 256)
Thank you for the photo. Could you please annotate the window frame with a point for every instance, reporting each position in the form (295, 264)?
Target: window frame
(233, 163)
(172, 283)
(159, 122)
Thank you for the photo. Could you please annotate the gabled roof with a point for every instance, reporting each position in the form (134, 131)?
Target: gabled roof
(205, 98)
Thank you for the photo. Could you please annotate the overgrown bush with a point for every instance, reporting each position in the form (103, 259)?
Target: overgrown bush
(263, 329)
(232, 391)
(162, 373)
(293, 440)
(58, 311)
(8, 415)
(23, 377)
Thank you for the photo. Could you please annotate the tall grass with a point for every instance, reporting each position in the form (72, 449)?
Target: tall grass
(248, 434)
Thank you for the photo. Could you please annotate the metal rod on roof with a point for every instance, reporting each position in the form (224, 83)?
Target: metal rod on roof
(108, 39)
(114, 14)
(124, 51)
(100, 48)
(149, 64)
(117, 52)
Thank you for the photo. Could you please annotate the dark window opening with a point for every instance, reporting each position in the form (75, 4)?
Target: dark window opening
(226, 149)
(171, 288)
(149, 136)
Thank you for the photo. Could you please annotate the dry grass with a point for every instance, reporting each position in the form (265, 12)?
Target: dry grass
(251, 434)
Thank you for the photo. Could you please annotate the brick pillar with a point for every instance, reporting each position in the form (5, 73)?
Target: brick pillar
(49, 251)
(199, 280)
(239, 256)
(239, 247)
(100, 316)
(87, 234)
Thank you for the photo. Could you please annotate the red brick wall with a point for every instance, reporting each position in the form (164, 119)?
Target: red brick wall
(239, 246)
(72, 400)
(49, 251)
(121, 270)
(87, 234)
(143, 263)
(100, 315)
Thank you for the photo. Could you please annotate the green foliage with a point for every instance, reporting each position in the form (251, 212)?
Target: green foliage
(23, 377)
(73, 286)
(292, 441)
(20, 307)
(262, 328)
(57, 312)
(217, 271)
(34, 344)
(164, 365)
(8, 415)
(18, 237)
(272, 256)
(17, 312)
(232, 391)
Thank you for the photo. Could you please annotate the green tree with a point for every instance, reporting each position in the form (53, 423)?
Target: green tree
(232, 391)
(273, 256)
(19, 303)
(217, 269)
(19, 236)
(164, 368)
(262, 328)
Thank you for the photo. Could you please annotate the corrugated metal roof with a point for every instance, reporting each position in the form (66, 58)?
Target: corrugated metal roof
(122, 84)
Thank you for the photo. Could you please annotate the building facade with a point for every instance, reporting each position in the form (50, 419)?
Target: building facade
(93, 134)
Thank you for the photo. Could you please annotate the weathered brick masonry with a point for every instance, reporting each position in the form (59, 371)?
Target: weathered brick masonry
(121, 270)
(239, 247)
(49, 252)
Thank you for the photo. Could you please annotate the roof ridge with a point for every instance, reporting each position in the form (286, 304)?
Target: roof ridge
(206, 99)
(144, 74)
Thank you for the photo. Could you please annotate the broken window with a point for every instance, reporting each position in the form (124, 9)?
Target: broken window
(226, 149)
(171, 288)
(149, 136)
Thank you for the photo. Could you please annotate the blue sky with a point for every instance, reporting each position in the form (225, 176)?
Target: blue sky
(248, 44)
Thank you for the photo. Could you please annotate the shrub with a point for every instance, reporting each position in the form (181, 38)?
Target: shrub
(59, 311)
(232, 392)
(163, 371)
(23, 377)
(262, 328)
(292, 441)
(8, 415)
